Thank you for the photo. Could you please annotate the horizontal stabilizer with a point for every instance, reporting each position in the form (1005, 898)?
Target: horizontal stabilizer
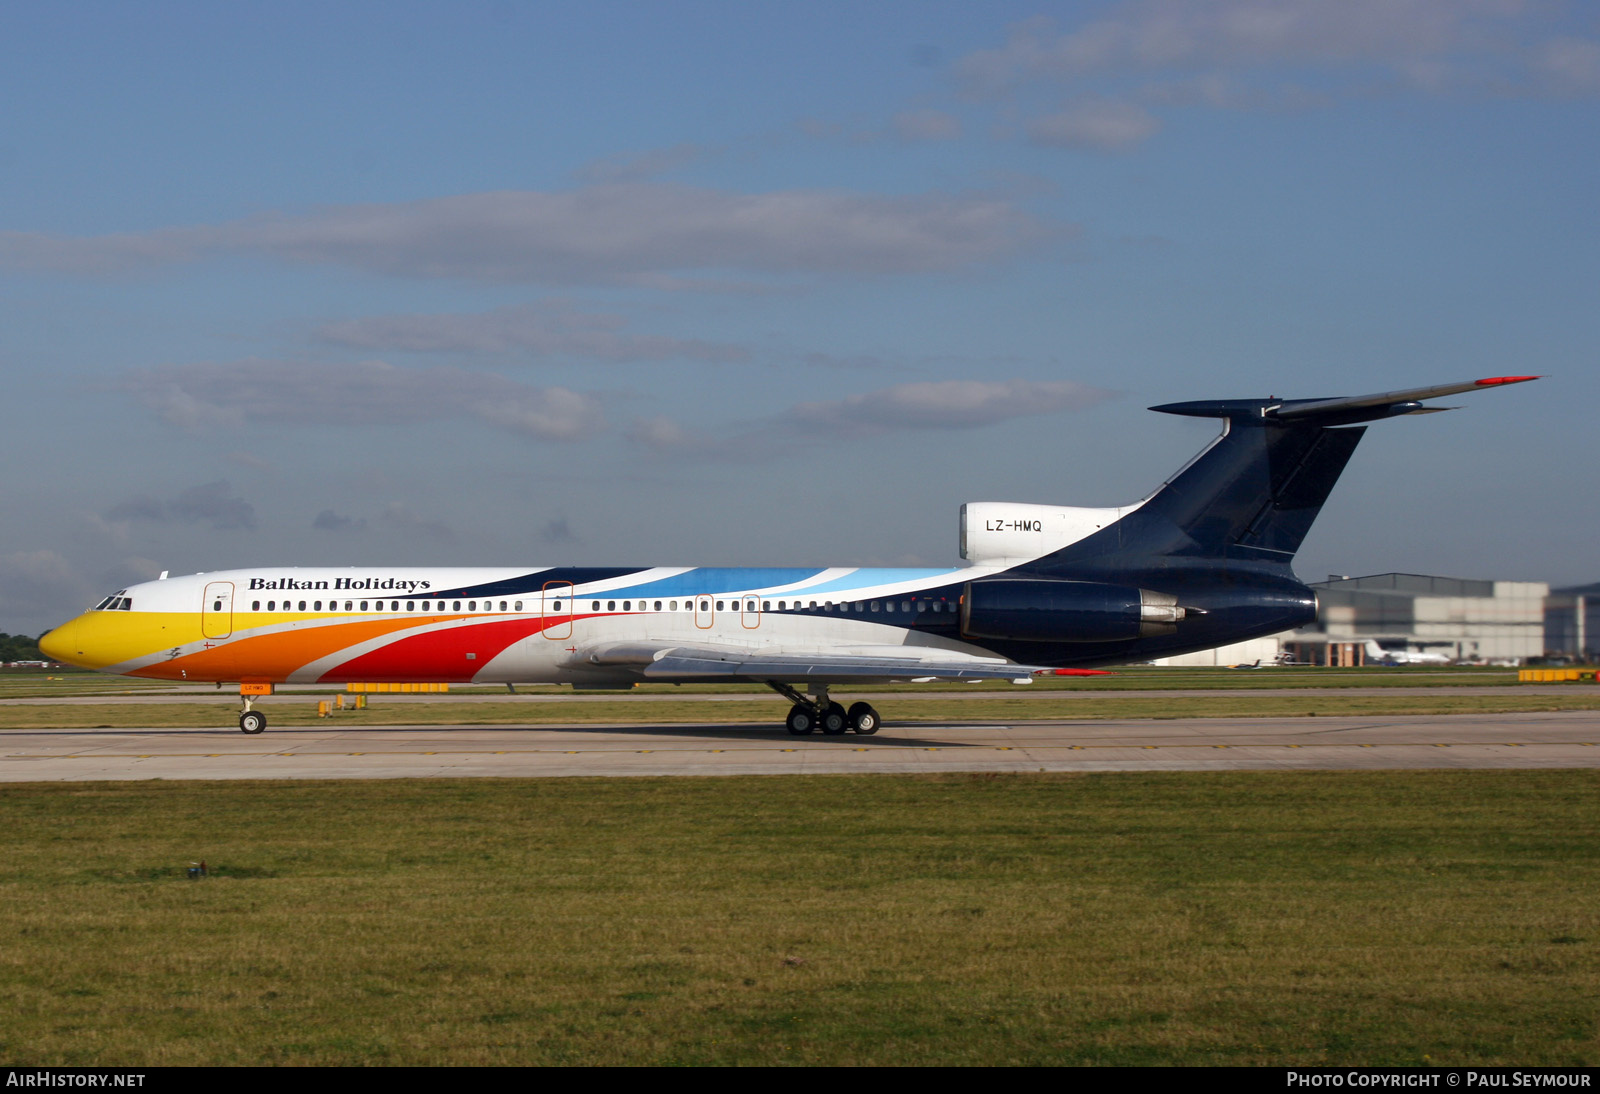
(1343, 410)
(1306, 408)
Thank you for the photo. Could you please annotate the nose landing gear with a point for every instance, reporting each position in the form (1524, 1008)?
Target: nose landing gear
(252, 721)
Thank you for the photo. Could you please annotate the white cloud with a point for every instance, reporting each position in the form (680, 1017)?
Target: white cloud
(648, 164)
(211, 503)
(1104, 124)
(1276, 55)
(400, 518)
(357, 393)
(946, 404)
(663, 434)
(1178, 34)
(930, 405)
(42, 584)
(329, 521)
(926, 125)
(1569, 65)
(546, 330)
(613, 233)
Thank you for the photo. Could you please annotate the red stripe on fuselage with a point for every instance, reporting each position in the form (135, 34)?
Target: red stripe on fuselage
(438, 656)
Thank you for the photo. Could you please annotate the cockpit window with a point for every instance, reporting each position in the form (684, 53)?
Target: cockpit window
(127, 603)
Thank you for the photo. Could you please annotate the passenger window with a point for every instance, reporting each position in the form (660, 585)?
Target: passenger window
(705, 605)
(255, 605)
(363, 605)
(411, 605)
(719, 605)
(611, 605)
(766, 605)
(302, 605)
(216, 605)
(517, 607)
(348, 608)
(674, 605)
(472, 605)
(627, 605)
(749, 605)
(658, 605)
(272, 605)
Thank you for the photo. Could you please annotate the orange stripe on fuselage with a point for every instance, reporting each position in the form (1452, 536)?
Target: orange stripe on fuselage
(274, 657)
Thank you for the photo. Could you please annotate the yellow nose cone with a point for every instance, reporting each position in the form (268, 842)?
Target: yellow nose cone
(61, 644)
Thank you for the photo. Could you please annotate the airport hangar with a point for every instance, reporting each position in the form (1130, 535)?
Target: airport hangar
(1503, 622)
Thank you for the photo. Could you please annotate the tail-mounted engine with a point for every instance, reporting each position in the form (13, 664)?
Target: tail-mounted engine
(1066, 611)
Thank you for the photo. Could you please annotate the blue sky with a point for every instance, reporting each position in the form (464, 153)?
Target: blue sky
(730, 283)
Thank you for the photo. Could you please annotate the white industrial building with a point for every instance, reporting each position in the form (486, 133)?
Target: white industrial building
(1462, 619)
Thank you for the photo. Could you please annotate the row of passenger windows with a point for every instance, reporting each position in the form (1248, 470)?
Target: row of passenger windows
(556, 606)
(783, 606)
(381, 606)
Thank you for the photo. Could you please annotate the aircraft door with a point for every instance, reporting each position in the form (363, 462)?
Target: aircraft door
(751, 616)
(557, 608)
(704, 614)
(216, 610)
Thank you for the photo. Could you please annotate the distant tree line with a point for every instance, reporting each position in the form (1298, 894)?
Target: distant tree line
(19, 647)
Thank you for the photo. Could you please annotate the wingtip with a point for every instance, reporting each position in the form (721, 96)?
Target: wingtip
(1493, 381)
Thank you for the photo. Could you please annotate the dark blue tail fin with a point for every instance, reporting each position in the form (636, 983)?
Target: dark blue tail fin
(1251, 497)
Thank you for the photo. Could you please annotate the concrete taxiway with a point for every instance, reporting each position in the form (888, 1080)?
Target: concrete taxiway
(330, 751)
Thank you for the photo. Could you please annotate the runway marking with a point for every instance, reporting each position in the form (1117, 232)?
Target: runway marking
(884, 748)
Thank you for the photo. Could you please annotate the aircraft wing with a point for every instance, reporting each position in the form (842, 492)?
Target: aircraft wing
(710, 662)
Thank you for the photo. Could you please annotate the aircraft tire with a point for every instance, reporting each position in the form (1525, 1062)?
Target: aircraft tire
(800, 721)
(864, 719)
(834, 721)
(252, 721)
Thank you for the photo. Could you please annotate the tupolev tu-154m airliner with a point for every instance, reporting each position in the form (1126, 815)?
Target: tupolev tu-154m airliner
(1202, 562)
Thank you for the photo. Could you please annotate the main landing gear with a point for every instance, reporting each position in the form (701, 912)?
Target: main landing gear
(817, 711)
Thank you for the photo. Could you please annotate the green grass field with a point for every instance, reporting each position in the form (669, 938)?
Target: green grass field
(1444, 917)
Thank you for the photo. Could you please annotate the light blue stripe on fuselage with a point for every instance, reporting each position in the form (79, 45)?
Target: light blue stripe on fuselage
(715, 579)
(759, 580)
(872, 579)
